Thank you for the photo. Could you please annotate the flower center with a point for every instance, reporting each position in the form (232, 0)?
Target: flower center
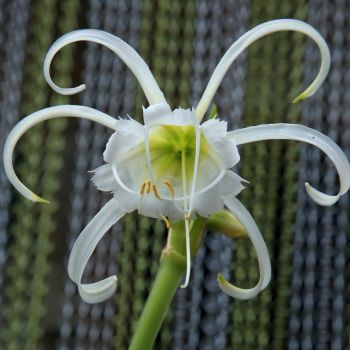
(173, 152)
(163, 165)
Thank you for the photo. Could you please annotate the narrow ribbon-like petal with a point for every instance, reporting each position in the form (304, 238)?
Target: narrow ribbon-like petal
(38, 117)
(241, 213)
(126, 53)
(254, 34)
(305, 134)
(83, 249)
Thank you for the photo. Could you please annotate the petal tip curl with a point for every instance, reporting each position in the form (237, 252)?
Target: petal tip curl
(68, 91)
(220, 279)
(99, 291)
(320, 197)
(38, 199)
(301, 97)
(251, 36)
(233, 291)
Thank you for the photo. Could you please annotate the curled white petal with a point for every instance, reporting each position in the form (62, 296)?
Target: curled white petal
(126, 53)
(97, 292)
(83, 249)
(38, 117)
(241, 213)
(254, 34)
(305, 134)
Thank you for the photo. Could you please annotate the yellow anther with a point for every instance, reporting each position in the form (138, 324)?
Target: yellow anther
(143, 187)
(167, 222)
(171, 188)
(187, 216)
(148, 189)
(155, 190)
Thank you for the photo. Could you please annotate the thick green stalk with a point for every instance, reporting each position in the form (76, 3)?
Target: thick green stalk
(167, 281)
(172, 268)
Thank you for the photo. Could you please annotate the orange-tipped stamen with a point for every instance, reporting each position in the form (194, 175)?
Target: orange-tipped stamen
(167, 222)
(148, 189)
(143, 187)
(155, 190)
(170, 187)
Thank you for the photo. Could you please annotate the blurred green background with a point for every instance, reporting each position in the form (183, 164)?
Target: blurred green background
(306, 306)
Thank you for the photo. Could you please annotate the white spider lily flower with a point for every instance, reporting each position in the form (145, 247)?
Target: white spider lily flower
(171, 168)
(174, 167)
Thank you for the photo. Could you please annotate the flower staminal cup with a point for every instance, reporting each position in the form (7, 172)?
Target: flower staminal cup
(174, 167)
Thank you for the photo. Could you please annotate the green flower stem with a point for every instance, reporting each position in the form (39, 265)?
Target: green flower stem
(172, 269)
(167, 281)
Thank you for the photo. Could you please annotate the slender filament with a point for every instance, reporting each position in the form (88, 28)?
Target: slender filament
(187, 225)
(167, 222)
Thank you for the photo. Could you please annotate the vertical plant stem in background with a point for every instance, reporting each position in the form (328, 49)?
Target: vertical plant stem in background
(246, 273)
(125, 292)
(140, 272)
(21, 331)
(340, 103)
(51, 165)
(109, 89)
(230, 96)
(319, 315)
(146, 43)
(73, 328)
(185, 46)
(218, 24)
(290, 161)
(13, 36)
(268, 100)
